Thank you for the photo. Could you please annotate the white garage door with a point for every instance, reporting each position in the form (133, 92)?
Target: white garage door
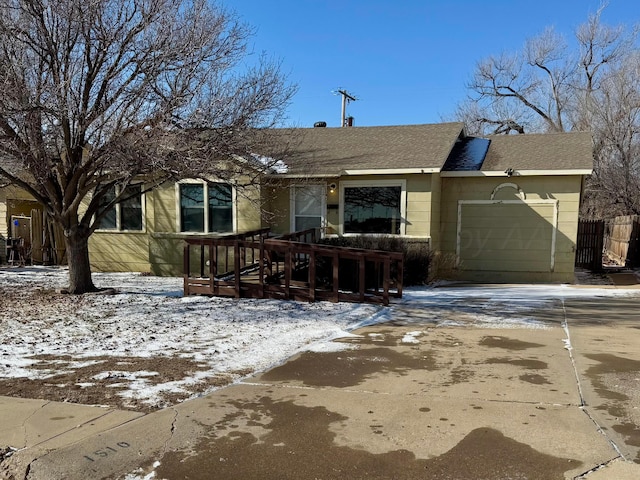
(511, 236)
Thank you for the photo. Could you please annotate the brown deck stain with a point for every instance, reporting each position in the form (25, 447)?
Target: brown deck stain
(299, 444)
(348, 368)
(496, 341)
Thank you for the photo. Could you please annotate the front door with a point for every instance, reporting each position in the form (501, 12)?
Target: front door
(308, 207)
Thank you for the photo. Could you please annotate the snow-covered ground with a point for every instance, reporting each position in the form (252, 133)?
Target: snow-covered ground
(149, 318)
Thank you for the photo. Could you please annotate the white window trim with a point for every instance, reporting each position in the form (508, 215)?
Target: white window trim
(234, 206)
(143, 205)
(375, 183)
(292, 205)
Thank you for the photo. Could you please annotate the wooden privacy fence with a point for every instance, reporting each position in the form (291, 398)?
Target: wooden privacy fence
(589, 244)
(622, 240)
(291, 267)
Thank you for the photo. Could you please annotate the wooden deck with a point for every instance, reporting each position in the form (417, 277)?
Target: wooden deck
(291, 266)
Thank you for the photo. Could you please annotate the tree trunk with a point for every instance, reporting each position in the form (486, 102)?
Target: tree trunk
(77, 240)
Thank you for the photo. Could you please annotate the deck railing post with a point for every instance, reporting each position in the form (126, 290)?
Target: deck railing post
(288, 267)
(335, 263)
(399, 280)
(361, 276)
(385, 281)
(185, 268)
(201, 259)
(236, 264)
(211, 269)
(261, 262)
(214, 269)
(312, 276)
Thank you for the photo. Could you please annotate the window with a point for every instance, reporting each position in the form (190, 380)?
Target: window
(126, 215)
(376, 207)
(308, 207)
(220, 208)
(218, 214)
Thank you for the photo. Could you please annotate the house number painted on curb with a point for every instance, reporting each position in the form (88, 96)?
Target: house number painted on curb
(106, 451)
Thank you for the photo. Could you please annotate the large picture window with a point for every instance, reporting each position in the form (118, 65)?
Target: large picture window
(126, 215)
(214, 215)
(373, 208)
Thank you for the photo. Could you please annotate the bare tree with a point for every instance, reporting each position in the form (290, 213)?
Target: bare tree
(97, 93)
(550, 87)
(526, 91)
(614, 113)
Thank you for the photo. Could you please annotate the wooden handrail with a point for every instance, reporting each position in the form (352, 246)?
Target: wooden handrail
(285, 267)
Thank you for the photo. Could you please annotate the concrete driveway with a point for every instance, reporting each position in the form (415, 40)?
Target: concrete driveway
(427, 395)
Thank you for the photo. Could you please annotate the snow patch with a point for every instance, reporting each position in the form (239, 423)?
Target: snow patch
(411, 337)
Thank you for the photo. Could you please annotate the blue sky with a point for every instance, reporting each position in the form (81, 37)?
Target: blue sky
(406, 61)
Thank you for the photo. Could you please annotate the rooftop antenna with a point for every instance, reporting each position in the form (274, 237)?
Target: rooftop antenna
(346, 98)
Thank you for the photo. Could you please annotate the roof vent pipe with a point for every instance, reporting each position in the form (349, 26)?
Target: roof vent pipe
(349, 121)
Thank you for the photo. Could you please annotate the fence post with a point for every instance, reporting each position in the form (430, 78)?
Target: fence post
(634, 243)
(596, 265)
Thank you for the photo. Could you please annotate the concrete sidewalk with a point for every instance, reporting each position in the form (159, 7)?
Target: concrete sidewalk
(414, 400)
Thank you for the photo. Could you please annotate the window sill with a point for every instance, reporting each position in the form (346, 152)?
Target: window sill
(128, 232)
(189, 234)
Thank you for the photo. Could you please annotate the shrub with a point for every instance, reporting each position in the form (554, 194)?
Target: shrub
(417, 254)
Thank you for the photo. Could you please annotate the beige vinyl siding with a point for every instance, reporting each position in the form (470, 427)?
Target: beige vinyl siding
(277, 205)
(434, 228)
(163, 206)
(419, 205)
(119, 252)
(333, 207)
(123, 251)
(247, 210)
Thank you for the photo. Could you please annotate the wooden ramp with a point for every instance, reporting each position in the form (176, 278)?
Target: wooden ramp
(291, 267)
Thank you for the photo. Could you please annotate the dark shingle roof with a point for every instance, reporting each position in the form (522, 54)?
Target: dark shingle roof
(551, 151)
(330, 151)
